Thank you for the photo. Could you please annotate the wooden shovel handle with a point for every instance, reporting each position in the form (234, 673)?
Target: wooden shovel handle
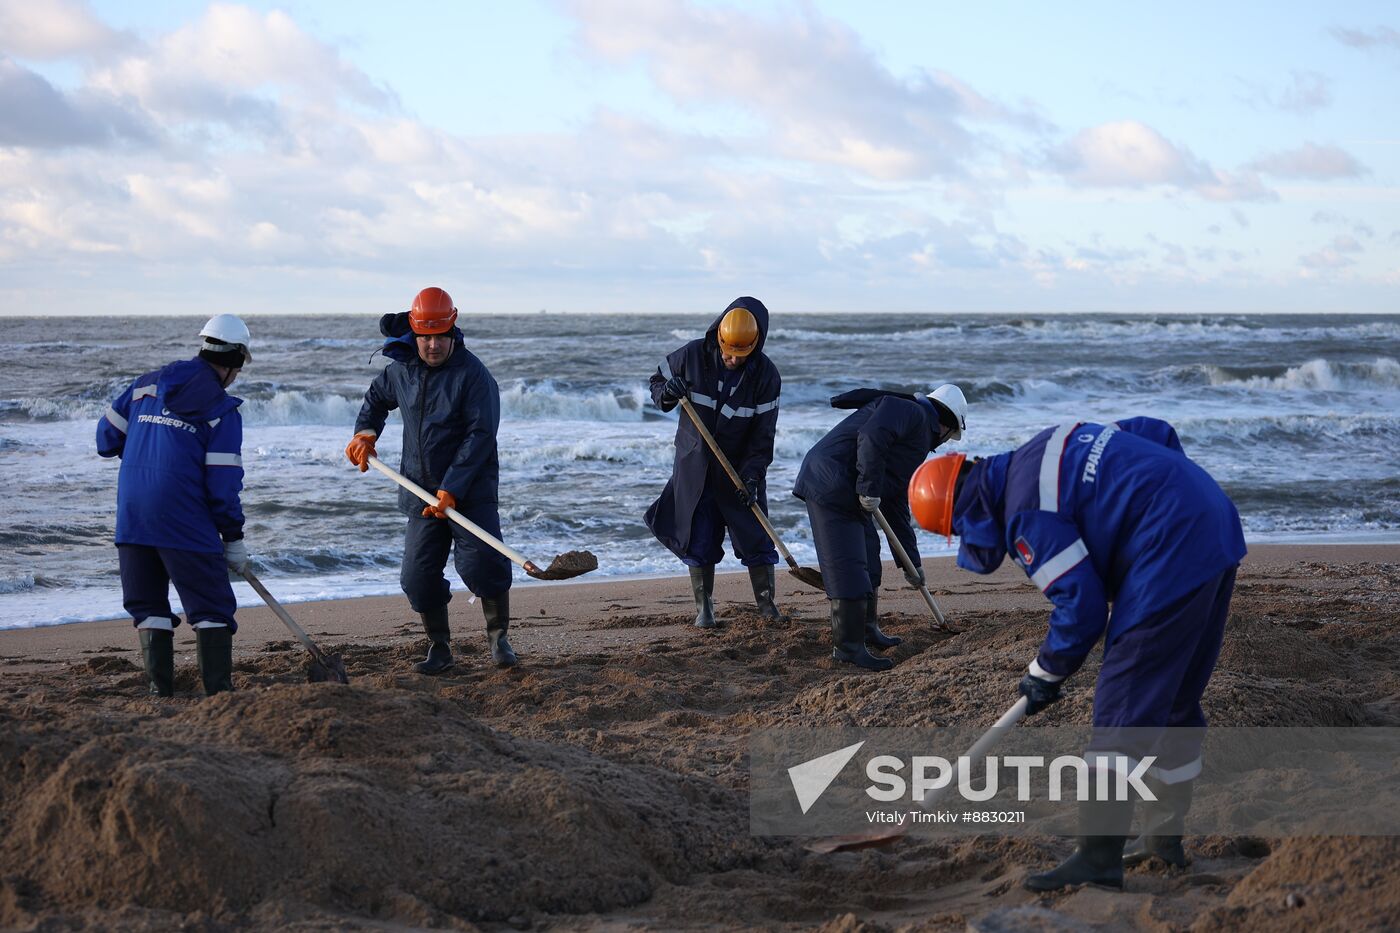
(738, 483)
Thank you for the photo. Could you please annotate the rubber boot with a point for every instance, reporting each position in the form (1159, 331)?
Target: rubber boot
(1098, 859)
(214, 649)
(702, 584)
(765, 589)
(497, 612)
(439, 635)
(848, 635)
(158, 651)
(875, 638)
(1164, 820)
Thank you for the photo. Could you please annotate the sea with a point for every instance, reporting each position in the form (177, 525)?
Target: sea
(1297, 417)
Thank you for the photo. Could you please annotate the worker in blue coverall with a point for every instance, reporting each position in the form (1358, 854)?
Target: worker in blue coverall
(1100, 514)
(864, 464)
(179, 519)
(734, 388)
(451, 408)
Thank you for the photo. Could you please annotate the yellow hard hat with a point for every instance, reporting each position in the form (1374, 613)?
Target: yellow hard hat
(738, 332)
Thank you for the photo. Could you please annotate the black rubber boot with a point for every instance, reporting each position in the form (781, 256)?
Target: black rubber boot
(1164, 820)
(1098, 859)
(439, 635)
(765, 590)
(702, 584)
(848, 635)
(497, 612)
(214, 649)
(875, 638)
(158, 651)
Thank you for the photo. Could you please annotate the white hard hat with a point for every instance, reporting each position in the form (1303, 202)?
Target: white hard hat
(226, 332)
(951, 397)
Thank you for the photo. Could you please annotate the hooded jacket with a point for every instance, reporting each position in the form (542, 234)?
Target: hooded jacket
(739, 408)
(451, 414)
(872, 452)
(179, 436)
(1096, 514)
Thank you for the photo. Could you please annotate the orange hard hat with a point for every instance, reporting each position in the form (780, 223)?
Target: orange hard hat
(738, 332)
(432, 312)
(931, 493)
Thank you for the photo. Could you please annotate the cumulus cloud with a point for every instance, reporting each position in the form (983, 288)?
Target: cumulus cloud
(35, 113)
(1130, 154)
(1310, 161)
(54, 29)
(819, 90)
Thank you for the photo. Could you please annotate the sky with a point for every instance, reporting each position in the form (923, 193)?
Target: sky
(668, 155)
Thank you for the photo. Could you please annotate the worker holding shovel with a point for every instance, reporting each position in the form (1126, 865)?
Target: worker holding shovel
(732, 387)
(451, 410)
(1100, 513)
(863, 465)
(179, 519)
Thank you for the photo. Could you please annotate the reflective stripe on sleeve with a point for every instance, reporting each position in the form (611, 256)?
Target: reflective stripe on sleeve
(665, 369)
(766, 407)
(116, 420)
(143, 391)
(1060, 564)
(1050, 467)
(705, 400)
(223, 460)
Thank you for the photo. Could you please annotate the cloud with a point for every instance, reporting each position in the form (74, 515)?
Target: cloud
(1130, 154)
(1310, 161)
(34, 113)
(1380, 37)
(1309, 91)
(54, 29)
(820, 92)
(232, 65)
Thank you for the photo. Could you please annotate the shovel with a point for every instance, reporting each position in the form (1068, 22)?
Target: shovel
(908, 565)
(564, 566)
(322, 667)
(807, 575)
(929, 801)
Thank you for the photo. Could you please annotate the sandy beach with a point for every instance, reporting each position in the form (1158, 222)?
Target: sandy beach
(602, 784)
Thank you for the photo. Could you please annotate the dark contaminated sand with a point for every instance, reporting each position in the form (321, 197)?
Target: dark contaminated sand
(602, 784)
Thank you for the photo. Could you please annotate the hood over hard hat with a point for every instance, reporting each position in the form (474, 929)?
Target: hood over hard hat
(760, 316)
(225, 333)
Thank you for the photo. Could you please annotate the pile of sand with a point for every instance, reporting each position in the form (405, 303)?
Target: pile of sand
(334, 796)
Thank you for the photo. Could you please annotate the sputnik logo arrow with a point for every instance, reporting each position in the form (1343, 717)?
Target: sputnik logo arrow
(811, 778)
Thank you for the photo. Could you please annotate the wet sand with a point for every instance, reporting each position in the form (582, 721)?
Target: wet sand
(603, 783)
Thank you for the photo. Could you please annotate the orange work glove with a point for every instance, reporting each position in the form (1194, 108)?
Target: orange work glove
(360, 449)
(445, 501)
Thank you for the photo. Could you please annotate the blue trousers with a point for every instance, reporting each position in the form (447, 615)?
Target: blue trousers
(848, 550)
(484, 570)
(200, 579)
(1148, 696)
(750, 542)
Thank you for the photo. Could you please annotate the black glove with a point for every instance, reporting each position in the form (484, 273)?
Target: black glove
(1039, 692)
(748, 495)
(675, 390)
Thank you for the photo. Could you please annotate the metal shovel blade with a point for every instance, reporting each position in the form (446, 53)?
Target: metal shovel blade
(567, 565)
(327, 668)
(809, 576)
(852, 841)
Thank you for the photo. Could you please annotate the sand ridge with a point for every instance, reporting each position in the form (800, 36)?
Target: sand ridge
(602, 783)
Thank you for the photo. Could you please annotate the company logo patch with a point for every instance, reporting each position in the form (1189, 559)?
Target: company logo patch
(1026, 554)
(1085, 438)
